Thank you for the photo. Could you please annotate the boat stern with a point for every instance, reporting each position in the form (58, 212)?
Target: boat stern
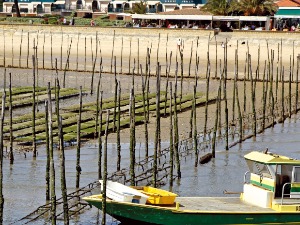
(257, 196)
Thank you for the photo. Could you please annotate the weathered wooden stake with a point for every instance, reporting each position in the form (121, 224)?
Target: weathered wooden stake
(33, 109)
(129, 56)
(171, 139)
(207, 95)
(21, 44)
(27, 49)
(94, 65)
(145, 113)
(122, 57)
(216, 123)
(290, 89)
(47, 152)
(176, 138)
(51, 53)
(4, 51)
(84, 53)
(63, 172)
(105, 171)
(297, 85)
(1, 157)
(97, 104)
(12, 50)
(52, 168)
(11, 138)
(112, 52)
(100, 139)
(66, 65)
(119, 128)
(116, 96)
(78, 167)
(132, 141)
(195, 128)
(77, 51)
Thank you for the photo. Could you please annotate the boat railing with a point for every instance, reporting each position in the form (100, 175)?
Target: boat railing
(245, 178)
(283, 194)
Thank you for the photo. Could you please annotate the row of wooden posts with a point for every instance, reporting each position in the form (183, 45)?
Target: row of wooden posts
(268, 98)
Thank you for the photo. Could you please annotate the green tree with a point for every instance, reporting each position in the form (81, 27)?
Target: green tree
(217, 7)
(140, 8)
(257, 7)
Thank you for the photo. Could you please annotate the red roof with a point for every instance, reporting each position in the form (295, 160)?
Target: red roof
(288, 3)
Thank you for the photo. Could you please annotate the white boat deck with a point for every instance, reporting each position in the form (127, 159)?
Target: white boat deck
(227, 204)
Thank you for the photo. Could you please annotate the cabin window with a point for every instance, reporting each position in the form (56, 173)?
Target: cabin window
(259, 169)
(296, 174)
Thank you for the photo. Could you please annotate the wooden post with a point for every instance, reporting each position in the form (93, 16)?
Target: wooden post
(84, 53)
(62, 172)
(97, 99)
(245, 86)
(157, 52)
(122, 57)
(33, 110)
(112, 52)
(157, 127)
(11, 138)
(225, 96)
(77, 51)
(132, 141)
(4, 51)
(252, 97)
(66, 65)
(47, 152)
(20, 55)
(44, 51)
(105, 171)
(129, 57)
(116, 96)
(238, 107)
(282, 94)
(195, 127)
(171, 139)
(191, 56)
(12, 50)
(207, 96)
(78, 168)
(216, 123)
(1, 157)
(100, 139)
(119, 128)
(51, 53)
(264, 99)
(145, 113)
(94, 64)
(52, 168)
(297, 85)
(27, 49)
(290, 90)
(176, 137)
(61, 49)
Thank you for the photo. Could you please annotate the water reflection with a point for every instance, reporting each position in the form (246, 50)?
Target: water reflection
(24, 182)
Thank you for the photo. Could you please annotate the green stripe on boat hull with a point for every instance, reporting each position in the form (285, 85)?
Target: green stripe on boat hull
(135, 214)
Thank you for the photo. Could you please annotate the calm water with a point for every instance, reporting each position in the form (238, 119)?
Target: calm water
(24, 182)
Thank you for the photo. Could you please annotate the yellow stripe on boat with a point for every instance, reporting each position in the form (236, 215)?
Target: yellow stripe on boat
(264, 182)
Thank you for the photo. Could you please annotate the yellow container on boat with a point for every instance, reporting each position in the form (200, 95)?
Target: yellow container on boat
(157, 196)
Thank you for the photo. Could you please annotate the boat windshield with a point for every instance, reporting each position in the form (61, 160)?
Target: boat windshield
(259, 169)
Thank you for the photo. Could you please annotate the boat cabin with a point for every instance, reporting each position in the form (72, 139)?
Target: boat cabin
(271, 177)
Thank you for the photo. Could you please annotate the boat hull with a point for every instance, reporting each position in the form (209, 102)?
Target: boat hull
(137, 214)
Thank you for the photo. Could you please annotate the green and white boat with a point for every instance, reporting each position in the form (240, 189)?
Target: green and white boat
(271, 195)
